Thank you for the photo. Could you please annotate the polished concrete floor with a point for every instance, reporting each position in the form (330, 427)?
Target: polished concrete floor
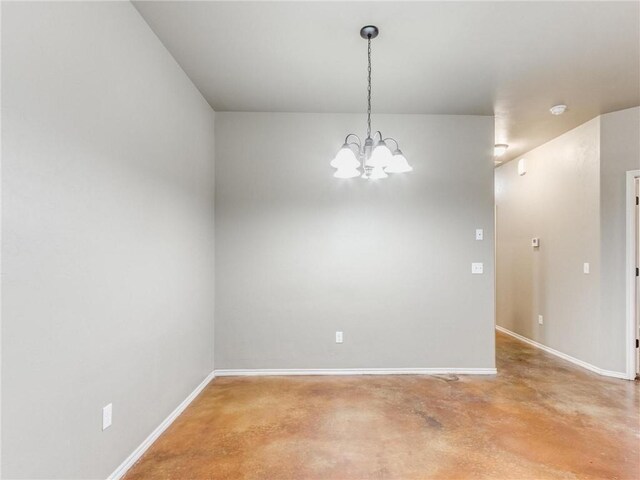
(539, 418)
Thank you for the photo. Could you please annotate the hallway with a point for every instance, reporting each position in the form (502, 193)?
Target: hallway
(539, 418)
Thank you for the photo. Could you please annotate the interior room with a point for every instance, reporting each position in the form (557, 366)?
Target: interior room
(303, 240)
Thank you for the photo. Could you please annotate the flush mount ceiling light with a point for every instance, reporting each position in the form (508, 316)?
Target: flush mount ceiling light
(558, 109)
(374, 156)
(499, 149)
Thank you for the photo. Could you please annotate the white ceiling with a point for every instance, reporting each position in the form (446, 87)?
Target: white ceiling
(511, 59)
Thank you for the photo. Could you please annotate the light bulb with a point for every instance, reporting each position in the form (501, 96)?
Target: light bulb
(376, 173)
(381, 155)
(499, 149)
(345, 158)
(398, 163)
(346, 173)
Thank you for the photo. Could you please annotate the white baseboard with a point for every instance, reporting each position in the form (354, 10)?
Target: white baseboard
(354, 371)
(138, 452)
(564, 356)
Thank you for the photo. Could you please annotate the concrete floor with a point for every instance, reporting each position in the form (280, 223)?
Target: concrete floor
(539, 418)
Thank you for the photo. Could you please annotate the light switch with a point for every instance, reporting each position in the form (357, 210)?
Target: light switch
(477, 268)
(585, 268)
(479, 234)
(540, 320)
(107, 416)
(338, 337)
(535, 242)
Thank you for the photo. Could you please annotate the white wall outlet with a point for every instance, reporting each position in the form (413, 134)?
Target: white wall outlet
(522, 166)
(586, 268)
(477, 268)
(540, 320)
(479, 234)
(107, 416)
(338, 337)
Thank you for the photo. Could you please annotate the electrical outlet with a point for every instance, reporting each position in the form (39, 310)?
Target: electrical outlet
(540, 320)
(107, 416)
(479, 234)
(477, 268)
(338, 337)
(586, 268)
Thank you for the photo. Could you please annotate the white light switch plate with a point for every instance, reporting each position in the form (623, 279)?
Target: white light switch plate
(107, 416)
(586, 268)
(479, 234)
(540, 320)
(477, 268)
(338, 337)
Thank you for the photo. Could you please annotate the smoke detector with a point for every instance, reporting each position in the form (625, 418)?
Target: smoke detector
(558, 109)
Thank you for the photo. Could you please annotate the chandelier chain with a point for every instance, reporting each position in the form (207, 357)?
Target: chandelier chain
(369, 87)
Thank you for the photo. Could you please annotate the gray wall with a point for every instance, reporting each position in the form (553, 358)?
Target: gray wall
(557, 200)
(107, 247)
(620, 152)
(300, 254)
(573, 198)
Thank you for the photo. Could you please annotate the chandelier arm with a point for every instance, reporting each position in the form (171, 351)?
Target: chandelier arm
(378, 133)
(394, 141)
(357, 145)
(346, 139)
(369, 86)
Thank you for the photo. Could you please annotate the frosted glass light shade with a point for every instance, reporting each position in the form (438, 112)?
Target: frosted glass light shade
(381, 156)
(500, 149)
(345, 159)
(347, 173)
(398, 163)
(377, 173)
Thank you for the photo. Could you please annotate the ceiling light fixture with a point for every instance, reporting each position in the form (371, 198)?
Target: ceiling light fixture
(499, 149)
(558, 109)
(374, 156)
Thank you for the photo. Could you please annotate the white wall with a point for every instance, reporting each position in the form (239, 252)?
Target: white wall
(557, 200)
(573, 198)
(300, 254)
(107, 248)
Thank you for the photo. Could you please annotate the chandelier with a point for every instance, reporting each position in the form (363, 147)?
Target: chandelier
(374, 156)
